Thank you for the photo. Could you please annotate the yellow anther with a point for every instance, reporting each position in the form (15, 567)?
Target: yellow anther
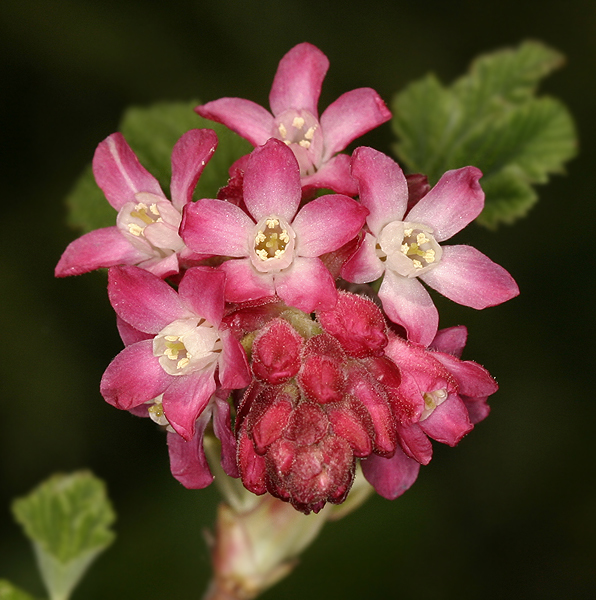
(135, 229)
(262, 254)
(260, 237)
(408, 232)
(310, 133)
(417, 264)
(153, 208)
(278, 253)
(183, 363)
(421, 239)
(282, 130)
(298, 122)
(304, 144)
(284, 237)
(404, 248)
(156, 410)
(272, 223)
(171, 338)
(429, 256)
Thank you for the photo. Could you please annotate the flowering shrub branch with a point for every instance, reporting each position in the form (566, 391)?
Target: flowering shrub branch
(250, 316)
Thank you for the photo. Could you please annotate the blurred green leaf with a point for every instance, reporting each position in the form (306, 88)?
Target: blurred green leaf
(492, 119)
(152, 132)
(10, 592)
(68, 519)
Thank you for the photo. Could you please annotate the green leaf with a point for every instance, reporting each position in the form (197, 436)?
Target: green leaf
(492, 119)
(8, 591)
(152, 132)
(68, 519)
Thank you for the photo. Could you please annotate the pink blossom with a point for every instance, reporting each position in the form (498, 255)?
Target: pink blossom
(146, 230)
(404, 246)
(181, 355)
(295, 120)
(274, 248)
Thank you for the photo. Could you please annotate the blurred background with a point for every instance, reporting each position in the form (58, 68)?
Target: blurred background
(510, 512)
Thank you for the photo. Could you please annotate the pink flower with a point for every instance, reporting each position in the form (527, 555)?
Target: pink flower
(450, 395)
(276, 251)
(293, 99)
(146, 230)
(404, 247)
(182, 354)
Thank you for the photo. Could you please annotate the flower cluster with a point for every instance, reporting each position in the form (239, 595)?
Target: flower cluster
(240, 316)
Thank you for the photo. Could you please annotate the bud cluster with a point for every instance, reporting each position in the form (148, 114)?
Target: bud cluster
(239, 313)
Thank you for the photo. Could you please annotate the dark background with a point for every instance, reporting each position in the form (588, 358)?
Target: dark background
(508, 513)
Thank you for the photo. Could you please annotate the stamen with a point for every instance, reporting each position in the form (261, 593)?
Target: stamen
(272, 242)
(298, 122)
(135, 229)
(283, 131)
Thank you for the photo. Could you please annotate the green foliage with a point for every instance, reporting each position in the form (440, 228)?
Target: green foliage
(152, 132)
(490, 118)
(68, 519)
(11, 592)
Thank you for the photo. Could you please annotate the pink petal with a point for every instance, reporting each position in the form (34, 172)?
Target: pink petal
(272, 181)
(97, 249)
(186, 398)
(244, 283)
(134, 377)
(332, 175)
(143, 300)
(326, 223)
(477, 408)
(189, 157)
(119, 173)
(249, 120)
(187, 460)
(391, 477)
(233, 366)
(222, 427)
(161, 267)
(129, 334)
(449, 422)
(216, 227)
(472, 379)
(415, 443)
(350, 116)
(408, 304)
(451, 340)
(453, 203)
(298, 80)
(468, 277)
(383, 188)
(202, 291)
(306, 285)
(364, 265)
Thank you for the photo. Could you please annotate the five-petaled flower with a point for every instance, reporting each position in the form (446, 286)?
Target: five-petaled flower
(295, 120)
(146, 230)
(181, 353)
(404, 247)
(275, 250)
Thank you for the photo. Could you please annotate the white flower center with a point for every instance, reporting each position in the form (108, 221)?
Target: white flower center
(300, 130)
(431, 401)
(273, 244)
(151, 225)
(187, 345)
(409, 249)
